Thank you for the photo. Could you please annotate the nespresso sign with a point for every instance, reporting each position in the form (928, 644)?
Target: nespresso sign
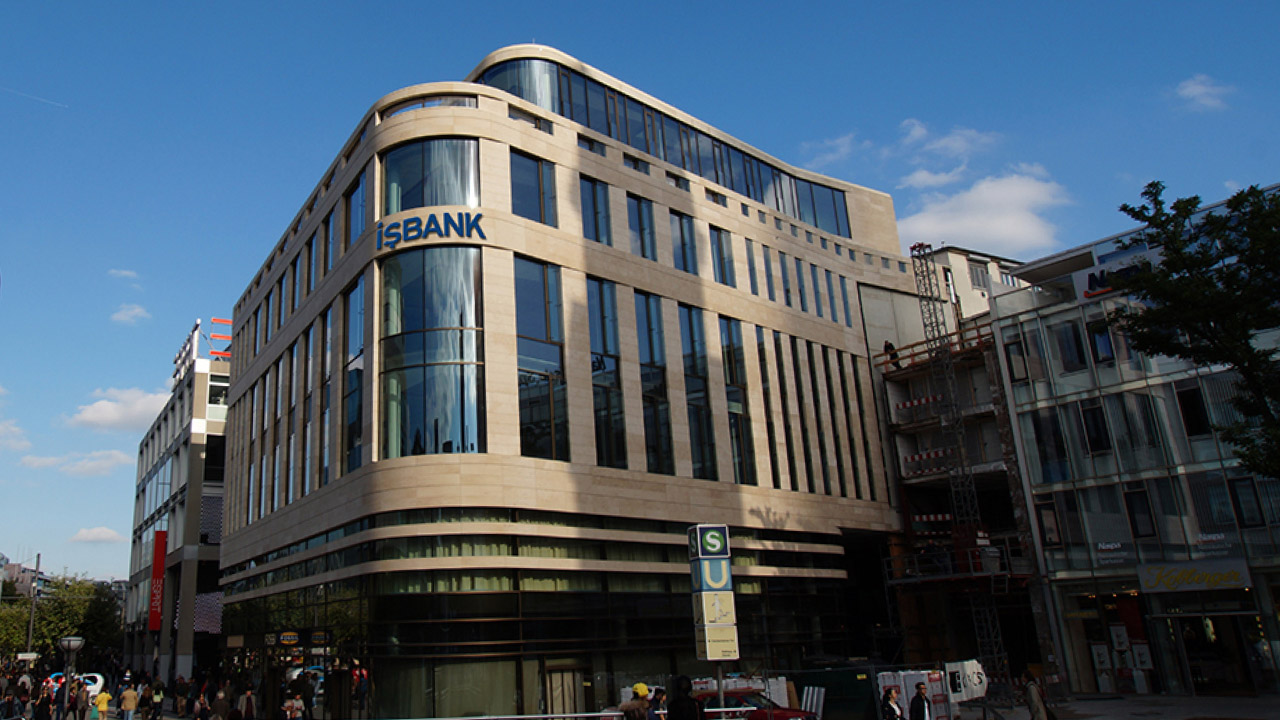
(441, 225)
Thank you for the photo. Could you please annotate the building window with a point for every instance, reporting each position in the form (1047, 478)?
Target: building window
(606, 381)
(683, 247)
(735, 388)
(786, 279)
(717, 198)
(331, 237)
(1070, 346)
(804, 300)
(831, 297)
(1008, 279)
(762, 356)
(722, 257)
(678, 182)
(1195, 416)
(635, 163)
(850, 434)
(751, 267)
(1100, 343)
(702, 443)
(353, 372)
(1245, 498)
(313, 260)
(326, 392)
(354, 203)
(595, 210)
(817, 289)
(432, 353)
(429, 173)
(590, 145)
(542, 124)
(653, 384)
(1141, 521)
(1094, 422)
(799, 374)
(298, 286)
(533, 188)
(779, 358)
(544, 416)
(820, 423)
(640, 227)
(768, 273)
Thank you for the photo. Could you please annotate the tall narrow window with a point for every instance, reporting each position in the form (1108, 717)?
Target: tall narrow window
(844, 295)
(849, 411)
(798, 371)
(831, 296)
(817, 289)
(313, 260)
(544, 417)
(606, 382)
(326, 393)
(751, 267)
(432, 353)
(353, 373)
(702, 443)
(653, 384)
(640, 226)
(768, 273)
(683, 248)
(533, 188)
(804, 300)
(767, 386)
(820, 422)
(282, 293)
(595, 211)
(722, 257)
(331, 237)
(267, 320)
(298, 273)
(307, 380)
(735, 388)
(826, 356)
(355, 207)
(786, 279)
(291, 422)
(779, 356)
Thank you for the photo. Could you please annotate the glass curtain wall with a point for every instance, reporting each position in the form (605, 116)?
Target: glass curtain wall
(432, 353)
(440, 171)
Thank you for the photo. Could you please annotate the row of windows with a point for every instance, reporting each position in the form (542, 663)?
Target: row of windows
(572, 95)
(432, 385)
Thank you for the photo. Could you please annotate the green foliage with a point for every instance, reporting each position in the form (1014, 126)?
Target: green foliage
(69, 606)
(1214, 299)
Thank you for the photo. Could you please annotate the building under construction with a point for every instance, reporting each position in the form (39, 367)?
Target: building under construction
(963, 571)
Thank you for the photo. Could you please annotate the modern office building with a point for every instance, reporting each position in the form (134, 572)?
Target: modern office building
(524, 331)
(172, 613)
(1159, 549)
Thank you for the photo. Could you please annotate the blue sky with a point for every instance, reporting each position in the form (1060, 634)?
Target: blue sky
(153, 153)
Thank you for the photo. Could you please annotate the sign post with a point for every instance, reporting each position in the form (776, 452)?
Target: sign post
(714, 616)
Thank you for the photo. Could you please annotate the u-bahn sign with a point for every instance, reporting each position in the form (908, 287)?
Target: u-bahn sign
(711, 580)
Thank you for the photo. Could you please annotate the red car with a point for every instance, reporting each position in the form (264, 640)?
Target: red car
(749, 705)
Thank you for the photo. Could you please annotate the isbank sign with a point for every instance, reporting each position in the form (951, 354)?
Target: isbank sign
(441, 225)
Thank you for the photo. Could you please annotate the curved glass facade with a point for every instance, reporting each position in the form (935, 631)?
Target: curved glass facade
(570, 94)
(440, 171)
(432, 353)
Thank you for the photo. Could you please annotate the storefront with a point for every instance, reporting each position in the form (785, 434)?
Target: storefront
(1177, 628)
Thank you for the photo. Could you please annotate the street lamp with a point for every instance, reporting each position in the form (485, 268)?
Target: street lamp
(70, 645)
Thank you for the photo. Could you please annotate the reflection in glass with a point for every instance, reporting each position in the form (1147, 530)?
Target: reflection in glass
(432, 353)
(441, 171)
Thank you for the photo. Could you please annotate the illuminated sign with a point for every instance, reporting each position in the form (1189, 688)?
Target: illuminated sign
(441, 225)
(288, 638)
(1195, 575)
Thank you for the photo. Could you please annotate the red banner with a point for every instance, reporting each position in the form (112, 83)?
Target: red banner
(157, 580)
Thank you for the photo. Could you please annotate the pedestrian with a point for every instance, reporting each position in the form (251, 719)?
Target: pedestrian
(220, 707)
(102, 704)
(1035, 698)
(637, 708)
(145, 702)
(9, 708)
(919, 708)
(682, 706)
(44, 706)
(60, 698)
(248, 705)
(82, 699)
(657, 703)
(128, 701)
(180, 691)
(889, 708)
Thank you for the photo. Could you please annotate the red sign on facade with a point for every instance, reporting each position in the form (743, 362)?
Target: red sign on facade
(157, 580)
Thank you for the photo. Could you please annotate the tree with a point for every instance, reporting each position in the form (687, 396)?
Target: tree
(67, 606)
(1210, 294)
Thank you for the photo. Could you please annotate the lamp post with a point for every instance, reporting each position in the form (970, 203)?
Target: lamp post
(70, 645)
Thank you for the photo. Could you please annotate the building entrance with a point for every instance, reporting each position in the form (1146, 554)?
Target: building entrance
(1214, 654)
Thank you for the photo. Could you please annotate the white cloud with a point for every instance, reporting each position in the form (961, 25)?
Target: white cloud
(1000, 215)
(1203, 93)
(96, 463)
(961, 142)
(915, 130)
(129, 314)
(925, 179)
(97, 535)
(130, 274)
(129, 409)
(1232, 187)
(3, 392)
(829, 151)
(13, 437)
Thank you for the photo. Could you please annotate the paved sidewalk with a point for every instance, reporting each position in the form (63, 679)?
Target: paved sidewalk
(1158, 707)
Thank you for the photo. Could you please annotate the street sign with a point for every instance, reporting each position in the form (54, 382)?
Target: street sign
(28, 656)
(714, 608)
(710, 575)
(708, 541)
(716, 642)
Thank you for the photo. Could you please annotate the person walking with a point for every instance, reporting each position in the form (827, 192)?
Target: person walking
(919, 707)
(1035, 698)
(44, 706)
(637, 708)
(102, 703)
(82, 700)
(682, 706)
(180, 692)
(128, 702)
(656, 703)
(889, 707)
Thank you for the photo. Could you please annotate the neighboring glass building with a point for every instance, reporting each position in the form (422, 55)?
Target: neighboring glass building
(1160, 550)
(173, 611)
(481, 389)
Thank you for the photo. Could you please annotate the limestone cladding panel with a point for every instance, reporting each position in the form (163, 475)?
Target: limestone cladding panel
(502, 393)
